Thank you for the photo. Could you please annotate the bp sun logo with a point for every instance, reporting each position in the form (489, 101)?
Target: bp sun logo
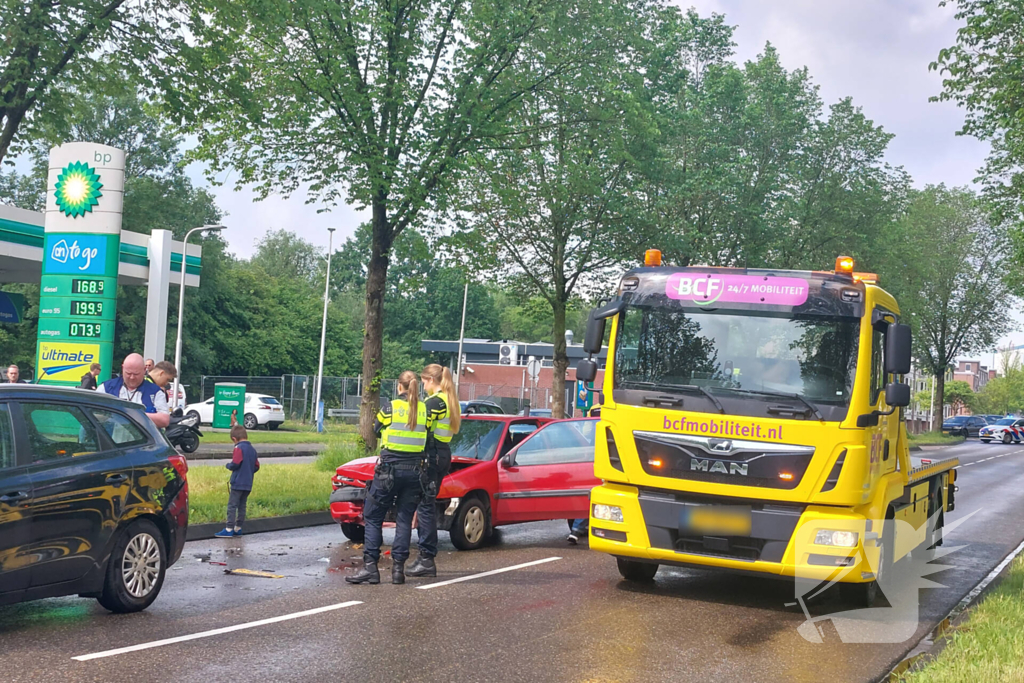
(78, 189)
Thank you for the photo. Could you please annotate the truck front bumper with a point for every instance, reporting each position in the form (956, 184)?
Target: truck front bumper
(779, 542)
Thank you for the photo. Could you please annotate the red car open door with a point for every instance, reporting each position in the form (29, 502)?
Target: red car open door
(550, 474)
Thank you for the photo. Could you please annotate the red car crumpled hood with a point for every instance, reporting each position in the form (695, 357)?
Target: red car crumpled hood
(360, 469)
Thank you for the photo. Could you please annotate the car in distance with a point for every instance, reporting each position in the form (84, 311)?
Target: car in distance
(992, 419)
(505, 470)
(1005, 430)
(93, 499)
(480, 408)
(260, 410)
(963, 425)
(536, 412)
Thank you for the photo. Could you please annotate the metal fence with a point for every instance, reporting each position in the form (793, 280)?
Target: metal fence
(296, 393)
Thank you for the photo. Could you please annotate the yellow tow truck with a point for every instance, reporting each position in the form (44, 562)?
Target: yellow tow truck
(751, 420)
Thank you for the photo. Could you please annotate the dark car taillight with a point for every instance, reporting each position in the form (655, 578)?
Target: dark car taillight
(179, 463)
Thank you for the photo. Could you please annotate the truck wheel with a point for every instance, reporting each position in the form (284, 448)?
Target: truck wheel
(354, 532)
(135, 571)
(859, 594)
(469, 528)
(632, 570)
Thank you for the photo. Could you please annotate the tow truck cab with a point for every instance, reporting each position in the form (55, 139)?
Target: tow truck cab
(751, 420)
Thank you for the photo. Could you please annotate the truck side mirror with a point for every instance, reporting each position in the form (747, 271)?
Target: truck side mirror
(586, 370)
(595, 334)
(897, 350)
(897, 395)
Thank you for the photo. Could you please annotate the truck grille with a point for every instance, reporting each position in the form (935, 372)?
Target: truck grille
(772, 526)
(721, 460)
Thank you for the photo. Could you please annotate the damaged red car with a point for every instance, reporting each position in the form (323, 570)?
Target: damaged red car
(505, 470)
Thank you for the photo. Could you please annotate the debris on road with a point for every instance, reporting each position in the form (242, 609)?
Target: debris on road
(254, 572)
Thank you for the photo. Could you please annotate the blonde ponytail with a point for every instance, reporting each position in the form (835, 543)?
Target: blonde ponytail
(410, 383)
(443, 378)
(454, 410)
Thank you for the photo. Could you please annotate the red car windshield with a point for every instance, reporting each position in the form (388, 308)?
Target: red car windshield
(477, 439)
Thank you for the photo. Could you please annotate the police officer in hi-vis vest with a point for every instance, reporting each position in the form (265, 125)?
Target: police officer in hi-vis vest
(443, 412)
(403, 428)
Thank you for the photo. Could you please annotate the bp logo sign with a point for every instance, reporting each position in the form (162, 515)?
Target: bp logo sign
(78, 189)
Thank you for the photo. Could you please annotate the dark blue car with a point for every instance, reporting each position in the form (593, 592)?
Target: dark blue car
(93, 500)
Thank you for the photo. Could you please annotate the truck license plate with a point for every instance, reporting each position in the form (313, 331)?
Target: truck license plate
(731, 520)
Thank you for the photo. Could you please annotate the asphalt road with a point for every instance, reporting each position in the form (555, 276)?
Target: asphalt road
(565, 617)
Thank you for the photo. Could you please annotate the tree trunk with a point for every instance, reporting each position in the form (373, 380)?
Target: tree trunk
(939, 402)
(561, 360)
(373, 331)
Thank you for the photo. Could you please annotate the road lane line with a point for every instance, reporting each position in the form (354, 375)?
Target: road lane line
(490, 573)
(214, 632)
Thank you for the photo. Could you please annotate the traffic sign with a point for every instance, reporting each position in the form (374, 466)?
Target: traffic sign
(533, 369)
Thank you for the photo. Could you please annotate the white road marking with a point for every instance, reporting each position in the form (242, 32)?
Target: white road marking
(490, 573)
(214, 632)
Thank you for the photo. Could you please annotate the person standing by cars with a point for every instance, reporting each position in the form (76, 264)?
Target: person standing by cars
(131, 386)
(244, 465)
(162, 374)
(403, 427)
(443, 410)
(89, 378)
(14, 375)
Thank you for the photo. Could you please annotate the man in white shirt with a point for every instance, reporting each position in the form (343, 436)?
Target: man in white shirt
(132, 386)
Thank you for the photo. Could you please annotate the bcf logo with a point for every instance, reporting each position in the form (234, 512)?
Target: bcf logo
(704, 287)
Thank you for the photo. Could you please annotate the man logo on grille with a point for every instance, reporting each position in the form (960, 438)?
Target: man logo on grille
(721, 445)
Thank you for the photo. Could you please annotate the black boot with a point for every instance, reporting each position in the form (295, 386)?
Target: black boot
(398, 572)
(368, 574)
(423, 566)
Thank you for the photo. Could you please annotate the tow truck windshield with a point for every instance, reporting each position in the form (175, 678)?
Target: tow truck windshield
(749, 363)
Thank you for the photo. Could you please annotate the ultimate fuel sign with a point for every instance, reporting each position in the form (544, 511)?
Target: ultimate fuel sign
(78, 291)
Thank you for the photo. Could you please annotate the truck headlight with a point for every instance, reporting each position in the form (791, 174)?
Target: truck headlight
(609, 513)
(843, 539)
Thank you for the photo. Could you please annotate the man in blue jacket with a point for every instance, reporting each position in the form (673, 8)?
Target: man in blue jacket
(131, 386)
(244, 464)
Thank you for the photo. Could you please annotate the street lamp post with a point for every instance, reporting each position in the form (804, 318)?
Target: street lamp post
(462, 336)
(323, 331)
(181, 305)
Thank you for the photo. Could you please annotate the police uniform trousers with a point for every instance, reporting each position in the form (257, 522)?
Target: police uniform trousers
(440, 463)
(403, 490)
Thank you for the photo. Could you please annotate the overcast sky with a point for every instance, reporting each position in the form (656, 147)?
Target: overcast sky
(875, 51)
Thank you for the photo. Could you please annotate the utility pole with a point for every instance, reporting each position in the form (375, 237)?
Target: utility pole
(462, 336)
(323, 332)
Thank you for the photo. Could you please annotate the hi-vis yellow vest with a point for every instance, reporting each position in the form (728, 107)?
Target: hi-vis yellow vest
(399, 438)
(443, 425)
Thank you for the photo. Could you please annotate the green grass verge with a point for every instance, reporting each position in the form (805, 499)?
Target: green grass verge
(258, 436)
(277, 489)
(990, 645)
(934, 439)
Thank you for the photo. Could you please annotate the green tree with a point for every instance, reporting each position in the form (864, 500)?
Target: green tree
(284, 254)
(558, 203)
(983, 72)
(945, 262)
(374, 100)
(47, 45)
(959, 395)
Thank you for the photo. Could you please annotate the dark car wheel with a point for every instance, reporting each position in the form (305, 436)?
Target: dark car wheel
(353, 532)
(135, 572)
(632, 570)
(471, 524)
(250, 421)
(189, 443)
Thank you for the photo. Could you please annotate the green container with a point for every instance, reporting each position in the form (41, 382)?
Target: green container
(227, 398)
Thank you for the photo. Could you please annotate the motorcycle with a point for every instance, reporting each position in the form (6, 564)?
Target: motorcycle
(183, 431)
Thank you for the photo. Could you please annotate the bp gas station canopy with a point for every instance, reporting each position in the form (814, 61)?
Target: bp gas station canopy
(154, 261)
